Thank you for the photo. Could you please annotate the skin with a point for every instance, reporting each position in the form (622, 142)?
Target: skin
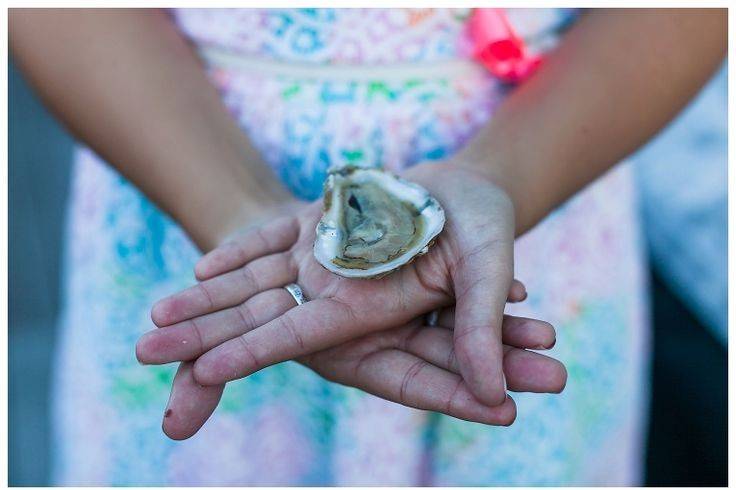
(616, 79)
(126, 83)
(236, 276)
(413, 365)
(601, 117)
(139, 56)
(478, 237)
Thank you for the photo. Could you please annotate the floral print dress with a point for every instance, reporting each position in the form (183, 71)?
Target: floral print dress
(314, 88)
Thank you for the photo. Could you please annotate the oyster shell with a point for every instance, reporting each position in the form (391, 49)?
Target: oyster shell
(374, 222)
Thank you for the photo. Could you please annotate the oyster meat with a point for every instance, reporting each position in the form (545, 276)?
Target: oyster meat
(374, 222)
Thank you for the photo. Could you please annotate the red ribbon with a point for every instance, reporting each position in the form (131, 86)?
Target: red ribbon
(498, 48)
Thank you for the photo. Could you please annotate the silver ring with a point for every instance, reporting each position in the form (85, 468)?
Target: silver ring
(296, 292)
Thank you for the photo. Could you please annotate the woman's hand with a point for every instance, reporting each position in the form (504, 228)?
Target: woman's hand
(470, 266)
(413, 365)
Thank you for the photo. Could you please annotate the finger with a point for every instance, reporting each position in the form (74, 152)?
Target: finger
(482, 281)
(271, 238)
(226, 290)
(531, 371)
(525, 333)
(303, 330)
(528, 333)
(404, 378)
(190, 404)
(517, 292)
(524, 370)
(191, 338)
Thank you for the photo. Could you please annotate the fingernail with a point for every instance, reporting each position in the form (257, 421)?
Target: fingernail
(505, 386)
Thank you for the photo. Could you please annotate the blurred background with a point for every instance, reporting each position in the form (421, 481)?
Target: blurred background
(682, 177)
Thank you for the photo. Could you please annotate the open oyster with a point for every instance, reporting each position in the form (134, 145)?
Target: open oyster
(374, 222)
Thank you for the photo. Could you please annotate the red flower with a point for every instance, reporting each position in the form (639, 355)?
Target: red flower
(498, 48)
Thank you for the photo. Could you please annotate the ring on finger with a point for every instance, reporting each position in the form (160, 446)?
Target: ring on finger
(296, 292)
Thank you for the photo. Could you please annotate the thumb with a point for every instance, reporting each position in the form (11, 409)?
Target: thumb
(190, 404)
(481, 282)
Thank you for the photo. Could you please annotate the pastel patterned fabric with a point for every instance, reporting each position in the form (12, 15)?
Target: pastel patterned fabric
(285, 425)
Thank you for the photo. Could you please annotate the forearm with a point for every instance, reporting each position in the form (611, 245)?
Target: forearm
(616, 79)
(128, 85)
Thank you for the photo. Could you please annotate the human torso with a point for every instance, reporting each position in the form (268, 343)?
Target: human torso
(285, 425)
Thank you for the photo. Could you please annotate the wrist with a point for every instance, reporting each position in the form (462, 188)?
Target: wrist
(489, 173)
(249, 212)
(243, 193)
(502, 170)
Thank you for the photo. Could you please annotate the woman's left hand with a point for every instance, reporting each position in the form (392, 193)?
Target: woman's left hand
(470, 266)
(413, 365)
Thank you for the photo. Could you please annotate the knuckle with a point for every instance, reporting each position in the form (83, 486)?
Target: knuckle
(249, 278)
(202, 287)
(265, 243)
(255, 363)
(452, 403)
(409, 378)
(247, 319)
(241, 251)
(198, 335)
(288, 323)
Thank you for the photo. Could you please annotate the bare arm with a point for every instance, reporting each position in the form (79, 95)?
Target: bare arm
(126, 83)
(617, 78)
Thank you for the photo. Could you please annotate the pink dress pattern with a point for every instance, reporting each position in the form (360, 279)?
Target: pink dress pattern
(286, 425)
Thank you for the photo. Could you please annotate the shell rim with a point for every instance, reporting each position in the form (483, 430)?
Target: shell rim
(415, 251)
